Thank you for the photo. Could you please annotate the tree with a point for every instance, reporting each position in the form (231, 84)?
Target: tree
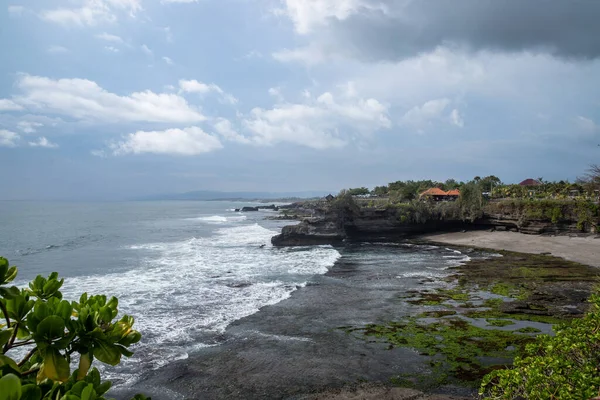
(592, 176)
(380, 190)
(471, 201)
(451, 184)
(345, 209)
(362, 191)
(58, 334)
(490, 182)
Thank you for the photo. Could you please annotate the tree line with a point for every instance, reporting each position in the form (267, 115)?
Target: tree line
(402, 191)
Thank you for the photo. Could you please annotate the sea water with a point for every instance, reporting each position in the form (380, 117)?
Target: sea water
(184, 270)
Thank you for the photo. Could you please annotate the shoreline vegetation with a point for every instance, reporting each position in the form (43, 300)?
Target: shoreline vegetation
(494, 326)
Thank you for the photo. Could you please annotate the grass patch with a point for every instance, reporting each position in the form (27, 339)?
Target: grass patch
(501, 289)
(547, 319)
(528, 329)
(455, 346)
(437, 314)
(493, 303)
(499, 322)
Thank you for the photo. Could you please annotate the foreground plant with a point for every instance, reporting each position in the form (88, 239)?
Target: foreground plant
(566, 366)
(56, 335)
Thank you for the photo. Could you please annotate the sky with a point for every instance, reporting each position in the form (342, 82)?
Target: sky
(114, 99)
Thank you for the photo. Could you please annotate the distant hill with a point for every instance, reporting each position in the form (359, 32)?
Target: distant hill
(212, 195)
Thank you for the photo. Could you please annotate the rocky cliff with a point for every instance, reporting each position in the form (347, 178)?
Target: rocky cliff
(373, 224)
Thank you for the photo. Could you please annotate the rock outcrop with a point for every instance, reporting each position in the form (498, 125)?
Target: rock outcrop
(533, 226)
(308, 233)
(380, 224)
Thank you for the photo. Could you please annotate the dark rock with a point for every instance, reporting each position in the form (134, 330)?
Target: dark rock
(246, 209)
(308, 233)
(239, 285)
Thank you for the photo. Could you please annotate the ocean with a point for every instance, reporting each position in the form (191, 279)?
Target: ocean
(185, 270)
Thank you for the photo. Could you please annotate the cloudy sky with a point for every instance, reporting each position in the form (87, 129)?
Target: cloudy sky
(109, 99)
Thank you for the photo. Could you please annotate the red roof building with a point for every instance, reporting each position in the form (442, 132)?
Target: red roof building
(433, 192)
(438, 194)
(530, 182)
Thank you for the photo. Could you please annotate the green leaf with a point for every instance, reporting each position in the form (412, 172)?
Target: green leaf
(64, 310)
(41, 310)
(7, 361)
(3, 268)
(141, 397)
(69, 397)
(77, 388)
(11, 274)
(105, 314)
(9, 292)
(85, 361)
(88, 393)
(103, 387)
(51, 327)
(5, 335)
(55, 366)
(107, 353)
(10, 387)
(31, 392)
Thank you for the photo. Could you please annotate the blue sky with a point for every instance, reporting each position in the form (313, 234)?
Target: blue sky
(113, 99)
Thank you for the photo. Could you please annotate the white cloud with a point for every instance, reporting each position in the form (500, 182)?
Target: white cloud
(168, 60)
(309, 14)
(85, 100)
(224, 128)
(276, 92)
(110, 38)
(92, 12)
(16, 11)
(319, 123)
(146, 50)
(90, 15)
(43, 142)
(57, 50)
(9, 105)
(586, 124)
(111, 49)
(421, 116)
(29, 126)
(194, 86)
(456, 118)
(8, 138)
(178, 1)
(310, 55)
(186, 142)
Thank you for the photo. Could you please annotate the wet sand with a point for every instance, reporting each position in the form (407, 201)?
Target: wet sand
(585, 250)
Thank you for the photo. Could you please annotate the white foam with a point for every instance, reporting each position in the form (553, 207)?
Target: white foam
(185, 293)
(219, 219)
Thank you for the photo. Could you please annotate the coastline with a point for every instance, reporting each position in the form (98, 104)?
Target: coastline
(584, 250)
(297, 349)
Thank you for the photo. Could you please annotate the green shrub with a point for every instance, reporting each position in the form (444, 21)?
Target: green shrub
(53, 331)
(565, 366)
